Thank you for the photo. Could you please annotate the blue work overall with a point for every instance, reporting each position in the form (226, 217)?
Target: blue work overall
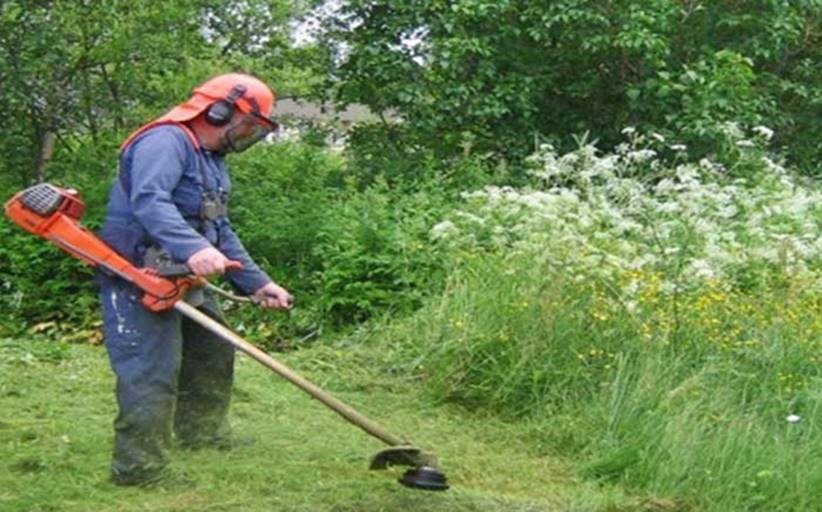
(172, 374)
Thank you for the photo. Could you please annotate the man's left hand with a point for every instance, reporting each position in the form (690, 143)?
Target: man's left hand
(273, 296)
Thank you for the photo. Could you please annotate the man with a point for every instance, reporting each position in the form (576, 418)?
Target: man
(170, 199)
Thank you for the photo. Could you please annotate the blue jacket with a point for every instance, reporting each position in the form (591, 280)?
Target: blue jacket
(157, 197)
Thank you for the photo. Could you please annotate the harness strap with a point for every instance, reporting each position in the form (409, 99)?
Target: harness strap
(213, 204)
(139, 131)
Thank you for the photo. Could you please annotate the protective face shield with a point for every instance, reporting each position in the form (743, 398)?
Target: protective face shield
(226, 100)
(245, 131)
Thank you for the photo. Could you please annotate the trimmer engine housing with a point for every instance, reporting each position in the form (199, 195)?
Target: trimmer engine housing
(54, 213)
(34, 208)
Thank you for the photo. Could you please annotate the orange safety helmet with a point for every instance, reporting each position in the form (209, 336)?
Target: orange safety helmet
(227, 91)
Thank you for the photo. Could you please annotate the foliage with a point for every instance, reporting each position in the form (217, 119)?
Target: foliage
(36, 276)
(374, 254)
(83, 75)
(631, 210)
(281, 200)
(37, 280)
(652, 312)
(346, 253)
(496, 75)
(74, 72)
(659, 320)
(73, 68)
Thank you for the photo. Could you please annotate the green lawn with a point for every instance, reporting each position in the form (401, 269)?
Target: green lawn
(56, 409)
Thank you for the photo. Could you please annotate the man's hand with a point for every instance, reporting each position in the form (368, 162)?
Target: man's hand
(207, 261)
(273, 296)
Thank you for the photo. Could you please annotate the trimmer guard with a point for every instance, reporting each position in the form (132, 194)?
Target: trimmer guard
(402, 456)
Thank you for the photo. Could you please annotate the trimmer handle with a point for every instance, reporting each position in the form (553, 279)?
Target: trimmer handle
(170, 269)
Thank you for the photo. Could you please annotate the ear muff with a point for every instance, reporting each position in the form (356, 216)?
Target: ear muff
(220, 112)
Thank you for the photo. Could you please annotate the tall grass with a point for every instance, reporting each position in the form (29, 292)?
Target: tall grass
(696, 412)
(662, 325)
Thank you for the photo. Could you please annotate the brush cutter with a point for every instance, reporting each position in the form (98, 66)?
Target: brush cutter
(54, 214)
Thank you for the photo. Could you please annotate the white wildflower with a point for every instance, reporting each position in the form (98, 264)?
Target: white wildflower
(763, 131)
(628, 130)
(727, 211)
(678, 147)
(642, 261)
(444, 229)
(702, 269)
(668, 207)
(622, 148)
(670, 288)
(744, 143)
(470, 217)
(288, 134)
(665, 186)
(708, 165)
(658, 137)
(773, 166)
(624, 226)
(641, 155)
(606, 222)
(793, 418)
(732, 130)
(631, 288)
(569, 159)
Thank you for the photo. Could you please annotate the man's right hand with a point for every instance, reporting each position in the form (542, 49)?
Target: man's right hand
(207, 261)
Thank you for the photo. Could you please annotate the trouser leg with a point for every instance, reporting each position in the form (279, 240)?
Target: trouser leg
(144, 349)
(206, 378)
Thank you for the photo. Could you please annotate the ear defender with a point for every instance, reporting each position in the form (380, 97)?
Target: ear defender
(220, 112)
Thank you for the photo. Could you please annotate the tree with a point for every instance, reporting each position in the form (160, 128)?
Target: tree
(88, 72)
(496, 75)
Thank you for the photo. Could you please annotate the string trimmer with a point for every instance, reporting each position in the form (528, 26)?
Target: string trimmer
(54, 214)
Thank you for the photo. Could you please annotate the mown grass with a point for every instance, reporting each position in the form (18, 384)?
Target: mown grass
(56, 409)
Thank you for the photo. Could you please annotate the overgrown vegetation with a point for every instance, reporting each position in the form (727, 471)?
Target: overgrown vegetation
(660, 320)
(594, 225)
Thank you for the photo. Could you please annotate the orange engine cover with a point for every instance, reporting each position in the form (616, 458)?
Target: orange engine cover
(54, 213)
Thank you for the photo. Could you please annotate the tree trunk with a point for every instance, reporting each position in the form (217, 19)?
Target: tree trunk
(46, 149)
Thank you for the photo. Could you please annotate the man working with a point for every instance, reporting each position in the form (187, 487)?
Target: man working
(170, 198)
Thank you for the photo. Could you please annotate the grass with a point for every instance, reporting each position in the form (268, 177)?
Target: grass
(57, 405)
(687, 403)
(611, 416)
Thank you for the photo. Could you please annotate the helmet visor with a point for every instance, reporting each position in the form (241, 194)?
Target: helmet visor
(247, 131)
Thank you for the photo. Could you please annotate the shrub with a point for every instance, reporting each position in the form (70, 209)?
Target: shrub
(374, 253)
(657, 321)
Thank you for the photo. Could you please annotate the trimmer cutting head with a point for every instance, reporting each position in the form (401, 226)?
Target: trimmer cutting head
(425, 478)
(423, 473)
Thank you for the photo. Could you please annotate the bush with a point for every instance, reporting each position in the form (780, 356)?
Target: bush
(374, 253)
(41, 284)
(347, 250)
(657, 322)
